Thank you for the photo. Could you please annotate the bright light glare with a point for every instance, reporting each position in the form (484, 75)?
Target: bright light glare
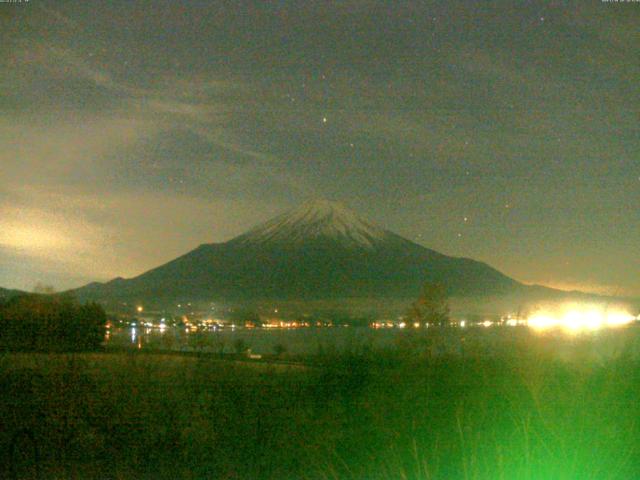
(542, 321)
(578, 317)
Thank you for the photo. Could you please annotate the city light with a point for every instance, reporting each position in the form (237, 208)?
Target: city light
(579, 317)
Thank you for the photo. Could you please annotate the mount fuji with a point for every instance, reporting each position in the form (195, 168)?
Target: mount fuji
(320, 250)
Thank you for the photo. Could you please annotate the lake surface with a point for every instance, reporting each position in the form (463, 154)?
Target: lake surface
(596, 345)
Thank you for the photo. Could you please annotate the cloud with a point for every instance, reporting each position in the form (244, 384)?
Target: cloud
(54, 240)
(63, 144)
(59, 216)
(55, 150)
(74, 236)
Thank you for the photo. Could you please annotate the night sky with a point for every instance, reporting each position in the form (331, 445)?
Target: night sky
(132, 131)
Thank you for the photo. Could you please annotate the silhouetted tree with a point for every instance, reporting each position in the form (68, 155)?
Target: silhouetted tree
(38, 322)
(432, 306)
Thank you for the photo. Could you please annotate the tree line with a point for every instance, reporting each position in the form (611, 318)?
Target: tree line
(36, 322)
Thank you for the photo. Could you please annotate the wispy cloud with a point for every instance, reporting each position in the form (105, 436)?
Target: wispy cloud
(58, 216)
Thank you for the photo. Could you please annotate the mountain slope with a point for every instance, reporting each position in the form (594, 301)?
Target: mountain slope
(6, 294)
(320, 250)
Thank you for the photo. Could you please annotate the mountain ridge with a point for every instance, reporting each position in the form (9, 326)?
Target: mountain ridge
(6, 293)
(320, 250)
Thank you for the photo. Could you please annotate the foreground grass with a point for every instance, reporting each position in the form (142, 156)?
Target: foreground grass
(365, 415)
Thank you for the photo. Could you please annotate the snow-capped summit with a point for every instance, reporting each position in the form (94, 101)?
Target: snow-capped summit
(317, 219)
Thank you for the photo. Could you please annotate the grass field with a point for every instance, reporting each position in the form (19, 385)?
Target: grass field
(393, 414)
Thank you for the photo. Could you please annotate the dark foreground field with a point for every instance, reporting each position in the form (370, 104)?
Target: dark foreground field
(365, 415)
